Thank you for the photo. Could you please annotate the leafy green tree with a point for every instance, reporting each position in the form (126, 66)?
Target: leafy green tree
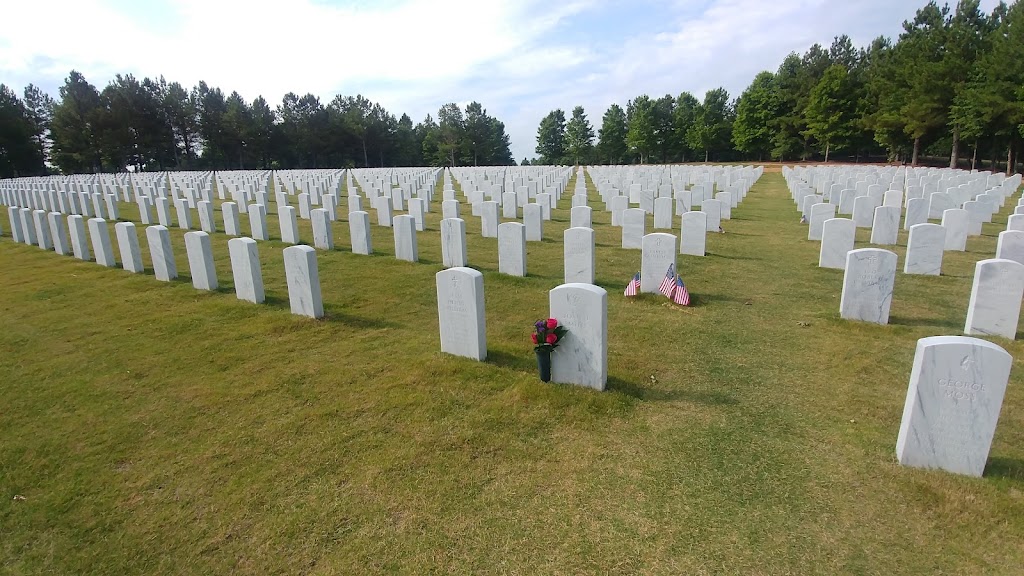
(39, 112)
(20, 152)
(452, 126)
(756, 112)
(712, 127)
(611, 136)
(683, 115)
(551, 138)
(182, 112)
(579, 135)
(74, 126)
(641, 135)
(830, 110)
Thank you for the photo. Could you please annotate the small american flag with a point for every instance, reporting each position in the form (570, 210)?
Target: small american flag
(668, 285)
(681, 295)
(633, 288)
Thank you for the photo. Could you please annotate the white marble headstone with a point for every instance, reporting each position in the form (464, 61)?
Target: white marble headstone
(164, 267)
(634, 222)
(359, 232)
(868, 285)
(128, 245)
(460, 310)
(578, 254)
(925, 247)
(996, 293)
(693, 233)
(837, 240)
(405, 238)
(582, 355)
(303, 276)
(246, 270)
(101, 245)
(512, 249)
(453, 242)
(952, 405)
(200, 259)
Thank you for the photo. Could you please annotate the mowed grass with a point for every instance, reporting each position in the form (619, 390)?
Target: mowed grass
(153, 428)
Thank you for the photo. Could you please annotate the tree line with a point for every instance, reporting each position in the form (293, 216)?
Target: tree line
(951, 85)
(156, 125)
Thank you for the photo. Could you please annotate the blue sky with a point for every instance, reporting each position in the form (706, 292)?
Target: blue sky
(519, 58)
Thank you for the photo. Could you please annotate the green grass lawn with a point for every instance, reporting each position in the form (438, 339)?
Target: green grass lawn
(153, 428)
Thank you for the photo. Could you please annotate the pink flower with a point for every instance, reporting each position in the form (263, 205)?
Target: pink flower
(551, 339)
(552, 323)
(534, 337)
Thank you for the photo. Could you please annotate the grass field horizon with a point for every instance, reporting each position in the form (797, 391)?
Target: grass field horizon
(153, 428)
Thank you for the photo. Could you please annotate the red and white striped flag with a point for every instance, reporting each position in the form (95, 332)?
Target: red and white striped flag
(668, 284)
(681, 295)
(633, 288)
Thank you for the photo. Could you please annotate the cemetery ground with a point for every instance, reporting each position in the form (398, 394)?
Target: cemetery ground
(149, 427)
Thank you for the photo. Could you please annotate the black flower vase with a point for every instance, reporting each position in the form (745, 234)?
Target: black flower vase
(544, 364)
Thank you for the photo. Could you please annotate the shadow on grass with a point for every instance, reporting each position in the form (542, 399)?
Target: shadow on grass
(716, 255)
(517, 362)
(1008, 468)
(334, 315)
(947, 324)
(697, 300)
(634, 390)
